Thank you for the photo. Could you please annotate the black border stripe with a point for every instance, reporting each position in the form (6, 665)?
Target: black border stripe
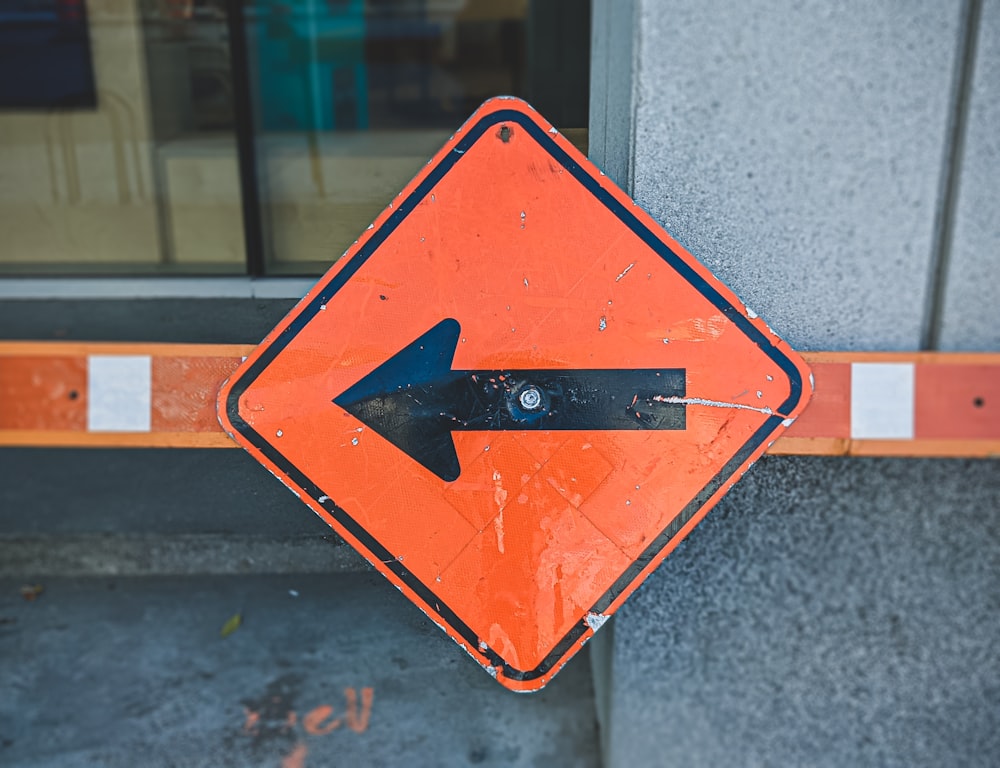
(653, 241)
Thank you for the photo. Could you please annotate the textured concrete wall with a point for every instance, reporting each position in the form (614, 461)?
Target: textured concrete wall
(971, 307)
(831, 611)
(795, 148)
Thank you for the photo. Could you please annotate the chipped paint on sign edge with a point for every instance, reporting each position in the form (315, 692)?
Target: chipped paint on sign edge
(596, 620)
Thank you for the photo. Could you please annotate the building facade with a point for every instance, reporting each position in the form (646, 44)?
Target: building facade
(834, 165)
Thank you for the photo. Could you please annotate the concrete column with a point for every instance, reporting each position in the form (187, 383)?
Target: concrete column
(830, 611)
(970, 311)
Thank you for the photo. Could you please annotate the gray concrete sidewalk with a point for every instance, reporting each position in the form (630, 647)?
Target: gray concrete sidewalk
(325, 670)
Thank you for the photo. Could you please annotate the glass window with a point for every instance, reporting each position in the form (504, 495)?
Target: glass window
(117, 149)
(353, 97)
(235, 136)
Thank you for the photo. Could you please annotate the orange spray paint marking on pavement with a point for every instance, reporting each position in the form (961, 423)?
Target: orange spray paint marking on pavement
(320, 721)
(359, 723)
(297, 757)
(252, 721)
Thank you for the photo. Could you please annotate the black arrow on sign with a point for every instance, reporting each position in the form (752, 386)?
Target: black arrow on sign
(415, 400)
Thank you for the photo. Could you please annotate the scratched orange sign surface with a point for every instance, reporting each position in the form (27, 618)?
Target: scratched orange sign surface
(514, 394)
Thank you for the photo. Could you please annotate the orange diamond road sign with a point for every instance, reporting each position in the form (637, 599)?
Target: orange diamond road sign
(514, 394)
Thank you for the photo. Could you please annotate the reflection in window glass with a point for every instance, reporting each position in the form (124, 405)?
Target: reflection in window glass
(116, 138)
(353, 96)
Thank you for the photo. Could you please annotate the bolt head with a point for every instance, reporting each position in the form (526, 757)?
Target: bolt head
(530, 398)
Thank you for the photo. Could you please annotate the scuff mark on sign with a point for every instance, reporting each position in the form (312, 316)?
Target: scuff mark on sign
(713, 403)
(596, 620)
(498, 527)
(698, 329)
(500, 497)
(288, 485)
(624, 272)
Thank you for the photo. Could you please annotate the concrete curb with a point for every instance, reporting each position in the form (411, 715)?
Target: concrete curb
(104, 554)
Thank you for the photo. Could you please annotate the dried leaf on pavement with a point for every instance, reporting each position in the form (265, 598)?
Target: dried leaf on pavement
(231, 625)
